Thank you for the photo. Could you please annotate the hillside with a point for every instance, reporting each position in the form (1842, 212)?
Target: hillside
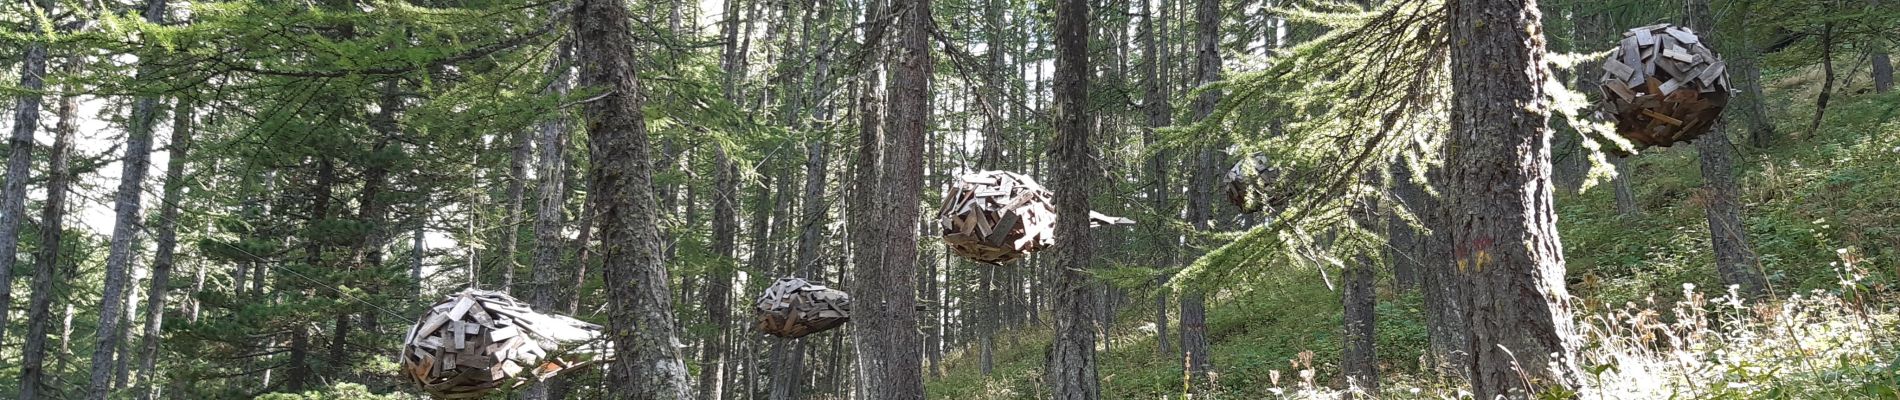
(1821, 210)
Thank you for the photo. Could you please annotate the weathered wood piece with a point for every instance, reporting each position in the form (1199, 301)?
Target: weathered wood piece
(793, 308)
(997, 217)
(1653, 110)
(1254, 184)
(476, 341)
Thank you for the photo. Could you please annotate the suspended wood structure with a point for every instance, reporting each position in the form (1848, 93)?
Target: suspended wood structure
(793, 308)
(997, 217)
(1663, 86)
(476, 341)
(1251, 185)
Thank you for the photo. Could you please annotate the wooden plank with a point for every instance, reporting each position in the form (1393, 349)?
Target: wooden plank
(503, 334)
(1662, 118)
(435, 322)
(1682, 35)
(1670, 86)
(1644, 38)
(1713, 71)
(461, 307)
(1633, 57)
(1618, 69)
(1679, 54)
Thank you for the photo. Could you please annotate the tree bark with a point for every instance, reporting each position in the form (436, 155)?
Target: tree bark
(1359, 360)
(719, 279)
(1070, 369)
(1625, 194)
(1882, 62)
(1734, 259)
(1155, 101)
(1207, 15)
(33, 377)
(519, 154)
(1444, 307)
(1827, 78)
(1509, 259)
(640, 306)
(550, 215)
(167, 242)
(889, 358)
(138, 149)
(26, 119)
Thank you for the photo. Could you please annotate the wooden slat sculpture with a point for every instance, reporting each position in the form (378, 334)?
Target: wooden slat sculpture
(477, 341)
(996, 217)
(1663, 86)
(1251, 185)
(793, 308)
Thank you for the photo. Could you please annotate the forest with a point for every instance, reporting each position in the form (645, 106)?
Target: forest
(949, 199)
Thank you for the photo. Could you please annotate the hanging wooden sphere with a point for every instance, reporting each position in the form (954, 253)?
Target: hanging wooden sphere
(997, 217)
(477, 341)
(1663, 86)
(793, 308)
(1251, 185)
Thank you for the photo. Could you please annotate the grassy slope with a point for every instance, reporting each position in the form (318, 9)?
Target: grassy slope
(1806, 197)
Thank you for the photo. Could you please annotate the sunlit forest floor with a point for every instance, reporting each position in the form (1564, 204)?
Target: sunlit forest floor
(1823, 213)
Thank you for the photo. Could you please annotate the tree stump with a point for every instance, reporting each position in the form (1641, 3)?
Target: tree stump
(477, 341)
(1251, 185)
(793, 308)
(1663, 86)
(997, 217)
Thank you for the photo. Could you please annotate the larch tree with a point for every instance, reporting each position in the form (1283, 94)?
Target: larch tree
(26, 119)
(112, 308)
(163, 261)
(640, 305)
(1070, 369)
(1508, 257)
(1721, 196)
(1207, 67)
(39, 316)
(889, 346)
(1159, 114)
(551, 140)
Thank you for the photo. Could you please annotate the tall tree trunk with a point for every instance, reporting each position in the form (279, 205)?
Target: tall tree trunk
(167, 242)
(138, 149)
(549, 218)
(33, 377)
(1509, 259)
(888, 343)
(647, 365)
(1155, 101)
(1625, 194)
(123, 358)
(1734, 259)
(718, 279)
(26, 119)
(1882, 60)
(301, 372)
(1359, 360)
(1827, 78)
(1207, 16)
(519, 154)
(1444, 309)
(1070, 369)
